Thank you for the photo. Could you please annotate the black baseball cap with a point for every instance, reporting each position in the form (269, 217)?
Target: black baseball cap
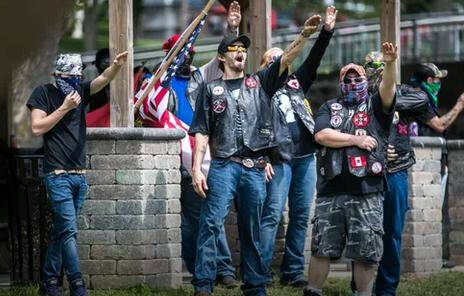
(231, 39)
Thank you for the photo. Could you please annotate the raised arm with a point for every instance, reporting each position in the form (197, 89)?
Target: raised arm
(292, 51)
(387, 87)
(104, 78)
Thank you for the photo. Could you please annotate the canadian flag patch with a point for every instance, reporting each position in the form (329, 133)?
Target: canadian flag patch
(358, 161)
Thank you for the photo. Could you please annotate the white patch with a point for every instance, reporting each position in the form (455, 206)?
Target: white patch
(218, 90)
(285, 106)
(336, 121)
(360, 132)
(396, 117)
(363, 107)
(376, 167)
(336, 107)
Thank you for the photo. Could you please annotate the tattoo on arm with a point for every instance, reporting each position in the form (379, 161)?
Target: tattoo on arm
(449, 118)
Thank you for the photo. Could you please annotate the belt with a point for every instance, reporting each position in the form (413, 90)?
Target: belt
(259, 163)
(58, 172)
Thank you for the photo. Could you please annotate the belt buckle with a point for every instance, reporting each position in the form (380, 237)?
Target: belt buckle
(248, 162)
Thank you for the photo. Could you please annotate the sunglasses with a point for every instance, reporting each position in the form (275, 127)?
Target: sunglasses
(375, 65)
(235, 48)
(347, 80)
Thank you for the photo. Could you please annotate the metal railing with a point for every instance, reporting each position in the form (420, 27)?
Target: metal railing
(432, 37)
(29, 218)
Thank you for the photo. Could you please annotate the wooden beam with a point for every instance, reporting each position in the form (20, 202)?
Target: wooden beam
(256, 22)
(121, 39)
(390, 25)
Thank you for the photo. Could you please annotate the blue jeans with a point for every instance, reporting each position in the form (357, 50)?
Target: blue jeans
(395, 206)
(226, 180)
(297, 180)
(190, 219)
(66, 193)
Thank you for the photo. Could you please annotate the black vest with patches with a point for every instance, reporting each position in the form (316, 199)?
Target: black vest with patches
(355, 120)
(255, 112)
(293, 90)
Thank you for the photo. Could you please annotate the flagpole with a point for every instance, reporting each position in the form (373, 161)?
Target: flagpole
(172, 54)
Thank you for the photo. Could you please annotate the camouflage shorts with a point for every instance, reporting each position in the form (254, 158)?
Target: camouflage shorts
(352, 221)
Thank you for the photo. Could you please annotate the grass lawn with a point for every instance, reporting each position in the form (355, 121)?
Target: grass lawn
(440, 284)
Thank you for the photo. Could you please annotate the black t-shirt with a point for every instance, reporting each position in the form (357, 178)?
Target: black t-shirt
(270, 81)
(64, 144)
(346, 183)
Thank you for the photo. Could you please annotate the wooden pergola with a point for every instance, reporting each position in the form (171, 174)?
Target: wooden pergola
(256, 17)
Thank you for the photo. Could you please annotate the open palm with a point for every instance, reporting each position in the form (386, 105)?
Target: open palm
(311, 24)
(389, 51)
(234, 16)
(330, 18)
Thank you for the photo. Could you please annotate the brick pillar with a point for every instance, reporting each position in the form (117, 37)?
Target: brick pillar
(129, 228)
(455, 211)
(422, 237)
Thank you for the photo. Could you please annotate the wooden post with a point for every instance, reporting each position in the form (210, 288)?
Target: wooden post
(121, 39)
(390, 25)
(256, 22)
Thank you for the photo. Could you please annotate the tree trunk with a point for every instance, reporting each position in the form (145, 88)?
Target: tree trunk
(90, 24)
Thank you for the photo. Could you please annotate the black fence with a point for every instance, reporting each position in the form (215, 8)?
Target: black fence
(29, 217)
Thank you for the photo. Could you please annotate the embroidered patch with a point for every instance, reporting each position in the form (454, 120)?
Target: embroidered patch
(251, 82)
(360, 132)
(218, 90)
(357, 161)
(362, 107)
(396, 118)
(293, 83)
(376, 167)
(402, 129)
(308, 106)
(350, 113)
(336, 121)
(219, 105)
(361, 119)
(336, 107)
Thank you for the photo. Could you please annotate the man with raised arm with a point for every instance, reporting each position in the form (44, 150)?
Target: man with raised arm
(234, 116)
(353, 133)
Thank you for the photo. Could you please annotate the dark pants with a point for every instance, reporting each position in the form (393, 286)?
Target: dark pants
(226, 180)
(191, 205)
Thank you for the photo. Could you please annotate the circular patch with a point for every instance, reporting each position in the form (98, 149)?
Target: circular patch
(336, 121)
(361, 120)
(218, 90)
(376, 167)
(293, 83)
(362, 107)
(219, 105)
(336, 107)
(360, 132)
(251, 82)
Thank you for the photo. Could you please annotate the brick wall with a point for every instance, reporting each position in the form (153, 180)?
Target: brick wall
(422, 236)
(454, 215)
(129, 227)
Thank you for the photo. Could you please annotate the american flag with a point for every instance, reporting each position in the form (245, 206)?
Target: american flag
(154, 108)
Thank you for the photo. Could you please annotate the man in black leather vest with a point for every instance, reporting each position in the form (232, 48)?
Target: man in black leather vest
(234, 116)
(293, 170)
(353, 132)
(185, 87)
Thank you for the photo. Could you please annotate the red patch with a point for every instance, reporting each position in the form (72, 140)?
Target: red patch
(361, 119)
(293, 83)
(251, 82)
(358, 161)
(402, 129)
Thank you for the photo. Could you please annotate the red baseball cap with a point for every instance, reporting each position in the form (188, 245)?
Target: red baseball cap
(357, 68)
(169, 43)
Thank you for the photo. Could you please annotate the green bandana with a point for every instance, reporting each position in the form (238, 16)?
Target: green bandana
(432, 89)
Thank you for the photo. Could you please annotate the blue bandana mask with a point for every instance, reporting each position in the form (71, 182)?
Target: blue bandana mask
(67, 85)
(354, 93)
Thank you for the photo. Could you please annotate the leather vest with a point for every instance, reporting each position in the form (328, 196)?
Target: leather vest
(355, 120)
(255, 112)
(400, 139)
(293, 92)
